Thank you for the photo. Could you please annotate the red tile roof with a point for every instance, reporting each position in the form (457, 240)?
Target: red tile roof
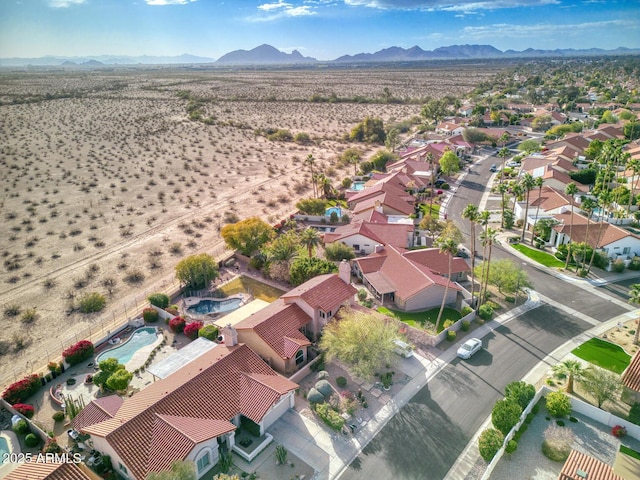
(278, 325)
(384, 234)
(594, 468)
(548, 198)
(48, 471)
(326, 292)
(437, 261)
(631, 375)
(97, 411)
(155, 427)
(386, 200)
(602, 236)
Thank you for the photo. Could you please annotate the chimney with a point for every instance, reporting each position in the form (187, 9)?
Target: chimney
(378, 248)
(344, 272)
(230, 335)
(377, 206)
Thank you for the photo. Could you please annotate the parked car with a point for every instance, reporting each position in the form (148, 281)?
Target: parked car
(513, 164)
(493, 168)
(469, 348)
(439, 182)
(403, 349)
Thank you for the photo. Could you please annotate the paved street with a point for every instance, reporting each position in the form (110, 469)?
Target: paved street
(426, 437)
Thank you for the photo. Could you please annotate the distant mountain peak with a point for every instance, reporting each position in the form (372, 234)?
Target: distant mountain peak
(263, 54)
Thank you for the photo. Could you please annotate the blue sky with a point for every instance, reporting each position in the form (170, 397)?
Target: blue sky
(324, 29)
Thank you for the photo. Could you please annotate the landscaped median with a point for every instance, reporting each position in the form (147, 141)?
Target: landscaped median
(604, 354)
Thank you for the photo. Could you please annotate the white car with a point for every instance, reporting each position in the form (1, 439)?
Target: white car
(513, 164)
(403, 349)
(468, 348)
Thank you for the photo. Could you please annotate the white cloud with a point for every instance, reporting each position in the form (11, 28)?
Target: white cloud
(541, 30)
(267, 7)
(64, 3)
(168, 2)
(448, 5)
(283, 9)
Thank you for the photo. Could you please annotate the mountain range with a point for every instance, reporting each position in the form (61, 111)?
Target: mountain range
(268, 55)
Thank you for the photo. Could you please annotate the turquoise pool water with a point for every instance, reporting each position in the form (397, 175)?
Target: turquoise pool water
(123, 353)
(4, 447)
(330, 210)
(357, 186)
(215, 306)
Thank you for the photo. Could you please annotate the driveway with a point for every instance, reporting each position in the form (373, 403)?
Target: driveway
(424, 439)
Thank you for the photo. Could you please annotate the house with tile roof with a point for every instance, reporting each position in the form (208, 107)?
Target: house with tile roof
(51, 471)
(364, 236)
(631, 380)
(549, 200)
(580, 466)
(189, 414)
(405, 279)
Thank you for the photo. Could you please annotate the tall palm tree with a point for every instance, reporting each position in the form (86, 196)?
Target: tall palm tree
(603, 198)
(449, 247)
(527, 182)
(539, 181)
(571, 370)
(634, 166)
(470, 213)
(310, 161)
(517, 191)
(634, 297)
(502, 189)
(430, 160)
(503, 154)
(588, 205)
(570, 190)
(487, 238)
(483, 220)
(310, 238)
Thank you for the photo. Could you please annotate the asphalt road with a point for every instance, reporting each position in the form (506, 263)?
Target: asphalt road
(425, 438)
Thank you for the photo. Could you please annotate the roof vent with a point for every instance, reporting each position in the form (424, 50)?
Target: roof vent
(581, 474)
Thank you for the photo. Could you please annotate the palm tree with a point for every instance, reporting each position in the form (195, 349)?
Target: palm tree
(503, 154)
(310, 161)
(634, 166)
(517, 191)
(527, 182)
(470, 212)
(634, 297)
(603, 198)
(487, 238)
(429, 158)
(571, 370)
(539, 181)
(310, 238)
(483, 219)
(502, 189)
(449, 247)
(570, 190)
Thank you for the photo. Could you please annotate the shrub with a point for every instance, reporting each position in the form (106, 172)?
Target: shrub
(466, 310)
(341, 382)
(31, 440)
(634, 413)
(21, 427)
(451, 335)
(314, 396)
(191, 329)
(338, 251)
(160, 300)
(324, 387)
(485, 312)
(617, 266)
(58, 416)
(445, 186)
(560, 423)
(447, 323)
(558, 404)
(79, 352)
(489, 443)
(617, 431)
(322, 374)
(210, 332)
(505, 414)
(22, 389)
(176, 324)
(557, 443)
(25, 409)
(511, 447)
(150, 315)
(465, 325)
(281, 455)
(92, 302)
(52, 446)
(362, 294)
(329, 416)
(521, 392)
(573, 419)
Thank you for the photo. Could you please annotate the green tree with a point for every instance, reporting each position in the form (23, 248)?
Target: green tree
(487, 238)
(507, 275)
(470, 213)
(380, 159)
(248, 235)
(527, 182)
(160, 300)
(392, 139)
(449, 247)
(338, 251)
(196, 271)
(352, 156)
(363, 340)
(542, 123)
(570, 190)
(634, 298)
(593, 150)
(538, 182)
(310, 239)
(370, 130)
(489, 442)
(312, 206)
(502, 189)
(434, 110)
(449, 163)
(91, 302)
(558, 404)
(503, 154)
(608, 117)
(529, 146)
(119, 380)
(304, 268)
(431, 225)
(180, 470)
(632, 130)
(521, 392)
(601, 384)
(571, 370)
(505, 414)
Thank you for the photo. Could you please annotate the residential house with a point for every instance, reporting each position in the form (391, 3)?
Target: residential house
(280, 332)
(190, 413)
(363, 236)
(405, 281)
(580, 466)
(631, 380)
(449, 128)
(41, 470)
(573, 140)
(546, 202)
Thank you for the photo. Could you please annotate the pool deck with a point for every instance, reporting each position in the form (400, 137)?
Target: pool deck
(141, 355)
(191, 301)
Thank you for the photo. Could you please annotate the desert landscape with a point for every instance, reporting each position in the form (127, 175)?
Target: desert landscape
(110, 178)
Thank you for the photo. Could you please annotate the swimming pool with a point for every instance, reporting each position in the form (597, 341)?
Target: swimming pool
(4, 447)
(357, 186)
(331, 210)
(215, 306)
(123, 353)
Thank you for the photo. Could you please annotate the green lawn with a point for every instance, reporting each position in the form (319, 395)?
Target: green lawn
(434, 212)
(628, 451)
(603, 354)
(244, 284)
(538, 256)
(418, 319)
